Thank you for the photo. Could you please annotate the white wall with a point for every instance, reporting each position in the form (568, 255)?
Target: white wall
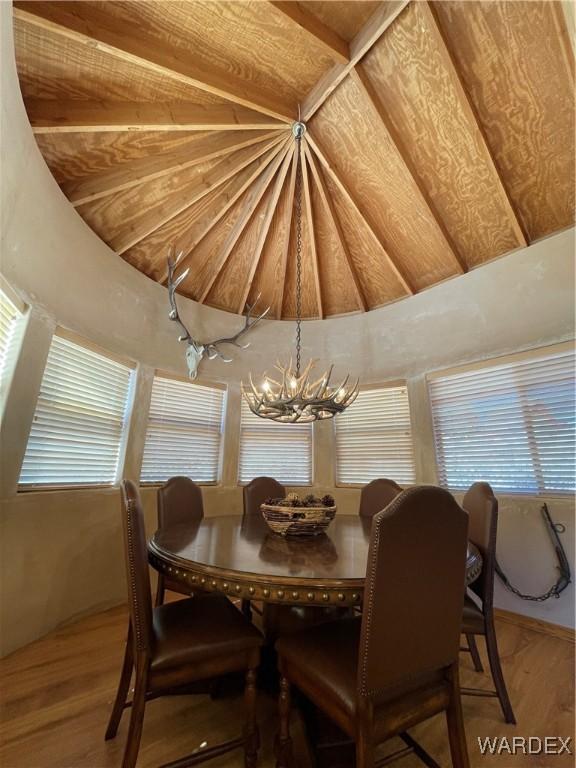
(61, 552)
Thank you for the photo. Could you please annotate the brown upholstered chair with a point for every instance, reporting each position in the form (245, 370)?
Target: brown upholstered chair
(258, 490)
(179, 500)
(255, 493)
(397, 665)
(178, 644)
(482, 508)
(377, 495)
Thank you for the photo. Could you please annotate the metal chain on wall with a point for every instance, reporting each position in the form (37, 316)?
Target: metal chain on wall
(564, 577)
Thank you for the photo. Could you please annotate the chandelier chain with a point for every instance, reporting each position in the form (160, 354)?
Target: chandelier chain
(298, 255)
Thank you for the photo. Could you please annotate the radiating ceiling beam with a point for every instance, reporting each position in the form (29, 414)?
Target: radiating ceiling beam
(136, 172)
(326, 198)
(231, 201)
(156, 217)
(470, 111)
(283, 264)
(79, 116)
(374, 28)
(364, 84)
(265, 227)
(311, 231)
(253, 198)
(117, 38)
(335, 46)
(398, 271)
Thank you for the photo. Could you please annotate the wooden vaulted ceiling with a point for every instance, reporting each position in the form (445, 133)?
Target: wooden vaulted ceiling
(439, 136)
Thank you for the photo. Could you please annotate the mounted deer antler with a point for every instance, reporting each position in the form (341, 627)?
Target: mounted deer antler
(196, 351)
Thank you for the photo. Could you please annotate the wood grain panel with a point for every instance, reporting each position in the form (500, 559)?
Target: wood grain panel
(337, 285)
(78, 155)
(52, 68)
(247, 42)
(137, 172)
(434, 127)
(378, 281)
(344, 17)
(92, 25)
(186, 230)
(228, 289)
(270, 276)
(514, 64)
(361, 149)
(127, 217)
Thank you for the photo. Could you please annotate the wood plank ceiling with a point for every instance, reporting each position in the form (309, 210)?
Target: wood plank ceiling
(440, 136)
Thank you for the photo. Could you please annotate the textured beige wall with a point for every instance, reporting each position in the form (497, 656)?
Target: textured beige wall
(61, 551)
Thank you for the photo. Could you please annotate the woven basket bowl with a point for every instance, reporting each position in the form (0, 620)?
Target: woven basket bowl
(298, 521)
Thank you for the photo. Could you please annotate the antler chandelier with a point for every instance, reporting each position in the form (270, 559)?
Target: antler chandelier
(294, 396)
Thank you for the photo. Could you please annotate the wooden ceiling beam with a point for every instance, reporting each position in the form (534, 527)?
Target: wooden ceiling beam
(116, 38)
(434, 28)
(232, 200)
(335, 46)
(253, 198)
(286, 245)
(134, 173)
(311, 231)
(329, 205)
(265, 228)
(374, 28)
(79, 116)
(219, 174)
(398, 271)
(369, 92)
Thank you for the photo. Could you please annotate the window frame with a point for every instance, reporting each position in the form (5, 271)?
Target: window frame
(393, 384)
(533, 354)
(243, 483)
(162, 374)
(88, 344)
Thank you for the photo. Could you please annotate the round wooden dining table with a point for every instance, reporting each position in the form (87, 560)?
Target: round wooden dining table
(242, 558)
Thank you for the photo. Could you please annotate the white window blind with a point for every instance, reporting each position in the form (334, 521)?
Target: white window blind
(184, 432)
(9, 317)
(510, 425)
(374, 438)
(80, 419)
(281, 451)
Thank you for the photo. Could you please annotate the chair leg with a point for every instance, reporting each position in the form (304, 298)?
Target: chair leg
(122, 691)
(496, 669)
(365, 752)
(455, 722)
(159, 591)
(283, 741)
(136, 717)
(474, 653)
(251, 737)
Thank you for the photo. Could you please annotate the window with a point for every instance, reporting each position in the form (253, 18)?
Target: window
(511, 425)
(184, 432)
(80, 421)
(9, 317)
(374, 438)
(281, 451)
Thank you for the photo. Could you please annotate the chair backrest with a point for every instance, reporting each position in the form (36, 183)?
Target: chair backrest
(377, 495)
(414, 593)
(482, 508)
(179, 501)
(260, 489)
(138, 578)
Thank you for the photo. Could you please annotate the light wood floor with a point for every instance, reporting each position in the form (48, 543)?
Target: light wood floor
(57, 692)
